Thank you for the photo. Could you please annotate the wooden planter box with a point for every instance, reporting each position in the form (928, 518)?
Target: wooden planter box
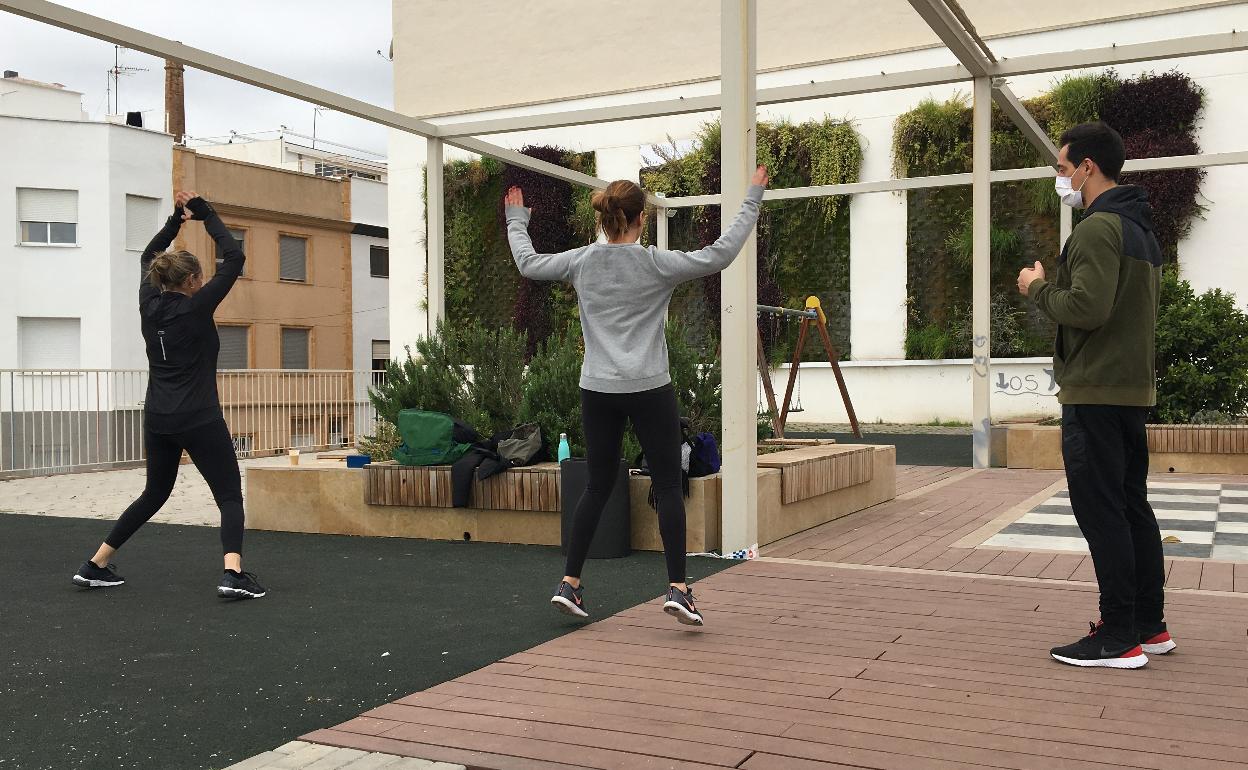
(797, 489)
(1216, 449)
(529, 488)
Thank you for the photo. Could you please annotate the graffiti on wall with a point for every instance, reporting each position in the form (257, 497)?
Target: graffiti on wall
(1042, 384)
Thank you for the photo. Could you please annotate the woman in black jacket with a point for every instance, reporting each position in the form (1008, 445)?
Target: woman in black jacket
(181, 410)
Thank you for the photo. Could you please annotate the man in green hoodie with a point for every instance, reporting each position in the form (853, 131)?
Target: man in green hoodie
(1104, 300)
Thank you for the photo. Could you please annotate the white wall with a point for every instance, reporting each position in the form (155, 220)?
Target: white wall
(266, 152)
(34, 100)
(406, 215)
(916, 392)
(97, 280)
(370, 296)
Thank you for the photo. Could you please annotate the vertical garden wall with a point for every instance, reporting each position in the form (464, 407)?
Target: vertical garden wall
(1156, 115)
(803, 245)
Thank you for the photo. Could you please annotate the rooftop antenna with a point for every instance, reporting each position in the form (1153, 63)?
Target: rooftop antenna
(115, 74)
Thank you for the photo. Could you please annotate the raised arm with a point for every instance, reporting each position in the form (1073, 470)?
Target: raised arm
(158, 244)
(537, 267)
(231, 266)
(679, 266)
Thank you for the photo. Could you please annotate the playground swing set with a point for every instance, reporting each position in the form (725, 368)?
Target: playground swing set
(811, 316)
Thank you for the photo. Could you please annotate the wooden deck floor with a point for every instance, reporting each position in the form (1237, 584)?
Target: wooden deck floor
(873, 641)
(809, 667)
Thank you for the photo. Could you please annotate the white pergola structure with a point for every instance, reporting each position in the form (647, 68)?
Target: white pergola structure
(737, 103)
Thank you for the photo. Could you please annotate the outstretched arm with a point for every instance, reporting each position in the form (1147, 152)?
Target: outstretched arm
(158, 244)
(537, 267)
(680, 266)
(231, 266)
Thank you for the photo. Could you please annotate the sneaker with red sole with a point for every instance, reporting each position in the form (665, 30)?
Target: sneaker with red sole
(1157, 642)
(1100, 650)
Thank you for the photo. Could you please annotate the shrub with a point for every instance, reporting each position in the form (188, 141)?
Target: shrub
(1202, 360)
(552, 391)
(468, 371)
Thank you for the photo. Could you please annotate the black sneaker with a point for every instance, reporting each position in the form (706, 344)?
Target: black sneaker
(1099, 650)
(91, 576)
(680, 605)
(1157, 641)
(568, 600)
(235, 585)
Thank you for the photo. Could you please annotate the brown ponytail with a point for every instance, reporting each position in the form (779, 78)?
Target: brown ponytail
(172, 269)
(618, 206)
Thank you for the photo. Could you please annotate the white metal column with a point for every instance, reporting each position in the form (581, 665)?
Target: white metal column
(435, 235)
(1067, 225)
(981, 288)
(739, 287)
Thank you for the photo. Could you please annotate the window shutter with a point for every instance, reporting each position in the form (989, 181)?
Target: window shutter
(381, 350)
(50, 343)
(36, 204)
(233, 353)
(240, 236)
(379, 262)
(295, 348)
(140, 221)
(294, 257)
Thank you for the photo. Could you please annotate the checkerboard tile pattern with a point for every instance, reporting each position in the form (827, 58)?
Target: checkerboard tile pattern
(1206, 521)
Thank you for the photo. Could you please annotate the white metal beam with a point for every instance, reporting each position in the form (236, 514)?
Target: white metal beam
(981, 274)
(951, 32)
(103, 29)
(739, 283)
(1018, 113)
(1175, 48)
(1116, 55)
(1208, 160)
(435, 234)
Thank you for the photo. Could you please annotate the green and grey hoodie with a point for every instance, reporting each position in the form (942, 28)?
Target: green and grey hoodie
(1105, 299)
(623, 290)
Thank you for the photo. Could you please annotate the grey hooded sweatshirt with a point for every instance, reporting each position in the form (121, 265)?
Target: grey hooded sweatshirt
(623, 290)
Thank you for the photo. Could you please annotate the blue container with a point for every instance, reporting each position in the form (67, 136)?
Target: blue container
(358, 461)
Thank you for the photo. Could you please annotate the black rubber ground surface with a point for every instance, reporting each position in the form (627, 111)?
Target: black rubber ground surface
(912, 448)
(161, 674)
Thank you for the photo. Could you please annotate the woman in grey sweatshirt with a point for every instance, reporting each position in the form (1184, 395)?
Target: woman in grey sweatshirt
(623, 289)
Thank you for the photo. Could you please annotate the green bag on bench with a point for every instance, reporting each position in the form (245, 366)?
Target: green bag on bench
(432, 438)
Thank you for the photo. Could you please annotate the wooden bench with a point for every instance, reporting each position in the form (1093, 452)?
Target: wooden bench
(817, 470)
(528, 488)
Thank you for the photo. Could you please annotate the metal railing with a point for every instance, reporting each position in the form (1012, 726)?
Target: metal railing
(68, 420)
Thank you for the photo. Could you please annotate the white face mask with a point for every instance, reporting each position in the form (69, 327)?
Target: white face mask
(1069, 195)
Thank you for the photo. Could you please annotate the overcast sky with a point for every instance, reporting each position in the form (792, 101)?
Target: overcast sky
(328, 43)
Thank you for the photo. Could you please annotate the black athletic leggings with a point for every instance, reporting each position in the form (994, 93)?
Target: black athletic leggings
(656, 423)
(212, 451)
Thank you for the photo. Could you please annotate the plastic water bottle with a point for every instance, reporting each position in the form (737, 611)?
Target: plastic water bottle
(565, 451)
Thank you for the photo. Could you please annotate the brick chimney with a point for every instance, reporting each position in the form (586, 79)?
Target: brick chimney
(175, 101)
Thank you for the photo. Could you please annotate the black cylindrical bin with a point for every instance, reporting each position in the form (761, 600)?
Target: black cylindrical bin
(613, 538)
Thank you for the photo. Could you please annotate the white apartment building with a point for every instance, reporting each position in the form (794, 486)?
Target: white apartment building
(82, 198)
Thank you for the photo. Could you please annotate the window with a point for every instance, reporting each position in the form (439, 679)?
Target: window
(140, 221)
(381, 354)
(238, 235)
(47, 217)
(49, 343)
(295, 348)
(294, 256)
(302, 432)
(233, 354)
(244, 444)
(379, 261)
(337, 436)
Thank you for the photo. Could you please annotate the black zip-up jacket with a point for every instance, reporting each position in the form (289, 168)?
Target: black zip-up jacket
(179, 332)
